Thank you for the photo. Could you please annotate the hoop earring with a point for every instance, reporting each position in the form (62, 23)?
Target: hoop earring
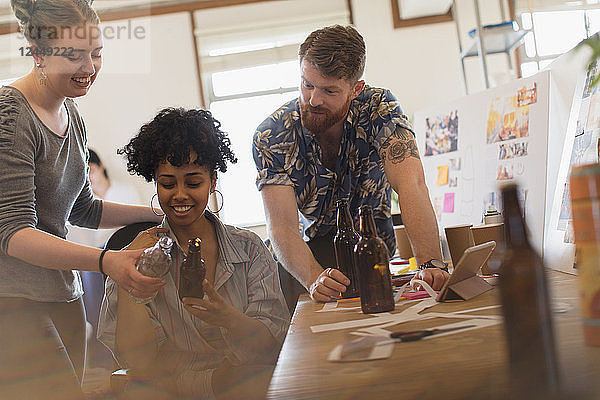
(222, 201)
(152, 207)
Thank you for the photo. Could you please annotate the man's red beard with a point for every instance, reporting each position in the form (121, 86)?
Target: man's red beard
(320, 123)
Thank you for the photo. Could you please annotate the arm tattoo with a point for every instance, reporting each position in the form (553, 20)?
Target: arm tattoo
(399, 146)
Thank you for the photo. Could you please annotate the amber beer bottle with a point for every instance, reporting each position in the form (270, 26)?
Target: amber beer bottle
(192, 271)
(343, 243)
(371, 259)
(525, 305)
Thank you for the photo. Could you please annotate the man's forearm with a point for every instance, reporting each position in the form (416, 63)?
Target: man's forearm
(295, 256)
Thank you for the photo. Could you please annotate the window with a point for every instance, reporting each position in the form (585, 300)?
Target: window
(248, 71)
(241, 98)
(240, 112)
(546, 42)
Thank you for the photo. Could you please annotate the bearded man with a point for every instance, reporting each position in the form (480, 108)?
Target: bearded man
(340, 139)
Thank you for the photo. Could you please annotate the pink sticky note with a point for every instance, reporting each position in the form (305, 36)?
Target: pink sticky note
(449, 202)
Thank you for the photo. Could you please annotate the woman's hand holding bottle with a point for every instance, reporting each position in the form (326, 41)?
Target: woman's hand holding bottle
(213, 308)
(120, 266)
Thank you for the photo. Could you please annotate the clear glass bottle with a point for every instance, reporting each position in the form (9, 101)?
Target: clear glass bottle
(155, 262)
(344, 242)
(525, 305)
(192, 271)
(371, 257)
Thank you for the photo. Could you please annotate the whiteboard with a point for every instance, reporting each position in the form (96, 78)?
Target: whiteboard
(471, 146)
(580, 145)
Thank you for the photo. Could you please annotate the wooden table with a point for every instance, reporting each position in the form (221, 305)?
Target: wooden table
(465, 365)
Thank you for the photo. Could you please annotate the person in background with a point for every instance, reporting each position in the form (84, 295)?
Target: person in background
(44, 183)
(196, 347)
(103, 188)
(341, 139)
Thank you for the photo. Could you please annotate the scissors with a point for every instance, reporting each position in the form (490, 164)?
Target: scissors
(412, 336)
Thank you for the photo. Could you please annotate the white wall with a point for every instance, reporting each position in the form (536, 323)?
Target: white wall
(138, 79)
(421, 64)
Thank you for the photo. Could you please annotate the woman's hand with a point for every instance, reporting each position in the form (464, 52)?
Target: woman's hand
(215, 310)
(147, 238)
(121, 265)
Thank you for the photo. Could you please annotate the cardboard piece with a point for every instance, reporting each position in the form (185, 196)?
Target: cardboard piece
(464, 283)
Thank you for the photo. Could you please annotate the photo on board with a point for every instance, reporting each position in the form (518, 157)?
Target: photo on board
(441, 134)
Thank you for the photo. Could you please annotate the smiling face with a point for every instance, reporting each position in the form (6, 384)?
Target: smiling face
(75, 60)
(183, 192)
(324, 101)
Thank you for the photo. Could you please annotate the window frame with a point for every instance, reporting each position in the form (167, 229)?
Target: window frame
(537, 58)
(400, 22)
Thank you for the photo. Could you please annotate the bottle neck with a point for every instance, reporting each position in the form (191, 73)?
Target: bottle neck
(367, 223)
(344, 218)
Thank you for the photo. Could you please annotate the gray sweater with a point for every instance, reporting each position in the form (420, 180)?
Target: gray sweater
(43, 183)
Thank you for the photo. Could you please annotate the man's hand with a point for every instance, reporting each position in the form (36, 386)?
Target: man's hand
(435, 277)
(328, 285)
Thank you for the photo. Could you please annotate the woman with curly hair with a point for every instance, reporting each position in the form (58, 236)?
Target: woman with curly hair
(195, 347)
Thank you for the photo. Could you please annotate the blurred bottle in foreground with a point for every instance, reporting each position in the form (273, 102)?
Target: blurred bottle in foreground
(525, 299)
(585, 205)
(155, 262)
(375, 282)
(192, 271)
(344, 242)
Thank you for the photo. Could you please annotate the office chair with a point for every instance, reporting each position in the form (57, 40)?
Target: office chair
(126, 234)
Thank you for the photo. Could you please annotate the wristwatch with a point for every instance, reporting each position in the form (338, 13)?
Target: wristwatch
(433, 263)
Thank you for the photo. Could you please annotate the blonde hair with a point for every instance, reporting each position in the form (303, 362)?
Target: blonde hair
(43, 21)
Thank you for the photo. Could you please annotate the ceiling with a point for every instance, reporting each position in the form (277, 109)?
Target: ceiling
(103, 6)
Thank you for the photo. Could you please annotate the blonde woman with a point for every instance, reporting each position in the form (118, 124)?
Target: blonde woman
(44, 183)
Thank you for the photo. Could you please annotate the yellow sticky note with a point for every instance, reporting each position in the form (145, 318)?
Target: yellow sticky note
(442, 178)
(412, 262)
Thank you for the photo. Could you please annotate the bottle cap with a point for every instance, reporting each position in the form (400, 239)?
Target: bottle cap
(194, 244)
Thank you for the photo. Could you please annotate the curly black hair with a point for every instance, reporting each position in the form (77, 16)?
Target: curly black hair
(171, 136)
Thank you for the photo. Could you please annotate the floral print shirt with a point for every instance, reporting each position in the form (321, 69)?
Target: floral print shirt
(286, 153)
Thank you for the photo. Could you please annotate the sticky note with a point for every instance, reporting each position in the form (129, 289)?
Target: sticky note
(442, 178)
(449, 202)
(412, 262)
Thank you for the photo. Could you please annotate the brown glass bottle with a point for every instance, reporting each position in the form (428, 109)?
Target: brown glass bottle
(344, 242)
(525, 305)
(372, 263)
(192, 271)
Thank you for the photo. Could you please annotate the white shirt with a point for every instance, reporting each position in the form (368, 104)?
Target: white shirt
(246, 276)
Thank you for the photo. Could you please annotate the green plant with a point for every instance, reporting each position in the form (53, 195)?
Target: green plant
(593, 42)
